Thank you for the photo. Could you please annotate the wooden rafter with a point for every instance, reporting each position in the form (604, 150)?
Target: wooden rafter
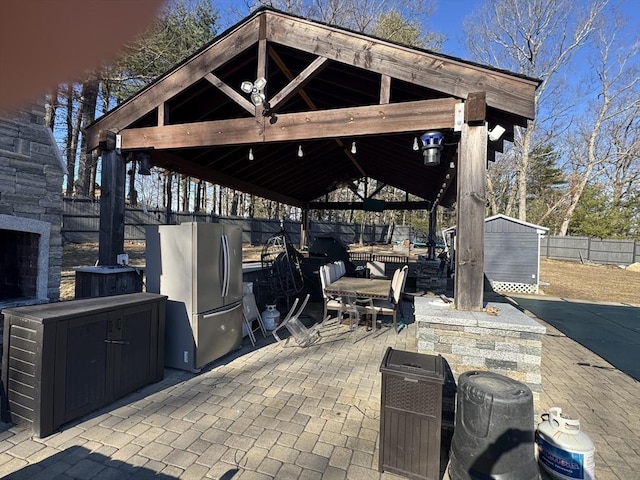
(283, 67)
(335, 123)
(447, 75)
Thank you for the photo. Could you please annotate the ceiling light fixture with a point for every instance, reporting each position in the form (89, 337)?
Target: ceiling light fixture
(144, 163)
(255, 90)
(431, 147)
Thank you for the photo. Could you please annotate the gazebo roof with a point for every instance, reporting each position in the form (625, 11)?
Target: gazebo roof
(327, 88)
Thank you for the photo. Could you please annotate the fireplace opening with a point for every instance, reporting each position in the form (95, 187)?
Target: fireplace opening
(18, 264)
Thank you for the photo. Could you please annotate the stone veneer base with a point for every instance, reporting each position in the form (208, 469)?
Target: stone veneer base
(509, 343)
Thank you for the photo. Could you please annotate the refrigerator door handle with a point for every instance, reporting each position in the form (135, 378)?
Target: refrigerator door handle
(225, 265)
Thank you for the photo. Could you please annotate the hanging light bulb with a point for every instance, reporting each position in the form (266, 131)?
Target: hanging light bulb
(416, 147)
(300, 152)
(353, 148)
(452, 165)
(251, 157)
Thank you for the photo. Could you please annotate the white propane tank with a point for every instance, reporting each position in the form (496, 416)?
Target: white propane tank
(271, 317)
(564, 451)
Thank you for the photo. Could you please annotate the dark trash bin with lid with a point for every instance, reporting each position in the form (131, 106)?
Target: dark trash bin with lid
(411, 414)
(494, 433)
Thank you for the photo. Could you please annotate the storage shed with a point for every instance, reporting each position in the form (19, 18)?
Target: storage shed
(511, 253)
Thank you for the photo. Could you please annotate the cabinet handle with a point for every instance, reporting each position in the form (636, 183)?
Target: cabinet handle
(117, 342)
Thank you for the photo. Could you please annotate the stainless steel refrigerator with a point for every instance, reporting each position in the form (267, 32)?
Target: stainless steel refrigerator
(199, 267)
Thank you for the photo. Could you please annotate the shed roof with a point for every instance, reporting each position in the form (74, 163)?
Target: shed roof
(539, 228)
(327, 88)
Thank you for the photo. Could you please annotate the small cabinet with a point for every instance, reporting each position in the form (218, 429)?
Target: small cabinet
(64, 360)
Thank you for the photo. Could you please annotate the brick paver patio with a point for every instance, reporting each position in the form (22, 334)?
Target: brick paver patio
(297, 413)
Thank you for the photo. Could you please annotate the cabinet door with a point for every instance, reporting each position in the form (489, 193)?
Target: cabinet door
(135, 345)
(81, 383)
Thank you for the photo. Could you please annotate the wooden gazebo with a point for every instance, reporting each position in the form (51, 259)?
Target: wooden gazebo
(329, 92)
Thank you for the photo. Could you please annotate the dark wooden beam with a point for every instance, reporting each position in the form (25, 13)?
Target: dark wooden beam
(409, 205)
(448, 75)
(475, 108)
(341, 122)
(367, 120)
(471, 167)
(231, 93)
(385, 89)
(192, 70)
(112, 186)
(298, 82)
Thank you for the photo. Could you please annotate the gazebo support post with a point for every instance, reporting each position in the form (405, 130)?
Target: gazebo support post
(112, 187)
(472, 164)
(304, 228)
(433, 225)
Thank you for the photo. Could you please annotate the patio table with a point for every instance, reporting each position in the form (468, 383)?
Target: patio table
(362, 287)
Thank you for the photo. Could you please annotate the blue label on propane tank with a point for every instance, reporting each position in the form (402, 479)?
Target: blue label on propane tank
(566, 463)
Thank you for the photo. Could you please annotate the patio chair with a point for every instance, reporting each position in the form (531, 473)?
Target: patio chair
(302, 336)
(357, 307)
(250, 313)
(393, 304)
(376, 269)
(331, 302)
(342, 269)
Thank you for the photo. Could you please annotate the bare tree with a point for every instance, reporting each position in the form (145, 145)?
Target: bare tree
(87, 168)
(536, 38)
(618, 98)
(364, 15)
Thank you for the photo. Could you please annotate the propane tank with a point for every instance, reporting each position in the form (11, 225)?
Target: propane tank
(564, 451)
(271, 317)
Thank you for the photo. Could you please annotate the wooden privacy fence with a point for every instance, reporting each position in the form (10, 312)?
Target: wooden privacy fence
(586, 249)
(81, 221)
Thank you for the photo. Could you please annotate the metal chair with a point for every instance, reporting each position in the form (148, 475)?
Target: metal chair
(250, 313)
(301, 335)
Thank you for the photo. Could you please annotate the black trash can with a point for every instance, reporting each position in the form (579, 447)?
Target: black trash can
(494, 433)
(411, 414)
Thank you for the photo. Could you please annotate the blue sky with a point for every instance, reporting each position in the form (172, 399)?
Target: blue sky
(448, 19)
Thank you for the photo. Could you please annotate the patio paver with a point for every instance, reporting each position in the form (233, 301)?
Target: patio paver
(294, 413)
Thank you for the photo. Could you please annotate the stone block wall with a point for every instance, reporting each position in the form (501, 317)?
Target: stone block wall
(508, 343)
(31, 175)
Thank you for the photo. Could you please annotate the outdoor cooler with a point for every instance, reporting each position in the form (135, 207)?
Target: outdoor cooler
(411, 414)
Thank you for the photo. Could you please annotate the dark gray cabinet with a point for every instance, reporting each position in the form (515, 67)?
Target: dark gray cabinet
(64, 360)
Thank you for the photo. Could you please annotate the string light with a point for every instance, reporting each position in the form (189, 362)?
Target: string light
(251, 157)
(416, 147)
(300, 152)
(353, 148)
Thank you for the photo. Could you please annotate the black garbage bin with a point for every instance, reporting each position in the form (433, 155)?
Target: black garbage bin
(411, 414)
(494, 433)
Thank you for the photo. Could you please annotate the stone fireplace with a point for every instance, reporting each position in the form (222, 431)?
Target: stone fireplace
(31, 174)
(24, 260)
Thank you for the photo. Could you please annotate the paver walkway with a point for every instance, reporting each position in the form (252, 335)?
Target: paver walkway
(298, 413)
